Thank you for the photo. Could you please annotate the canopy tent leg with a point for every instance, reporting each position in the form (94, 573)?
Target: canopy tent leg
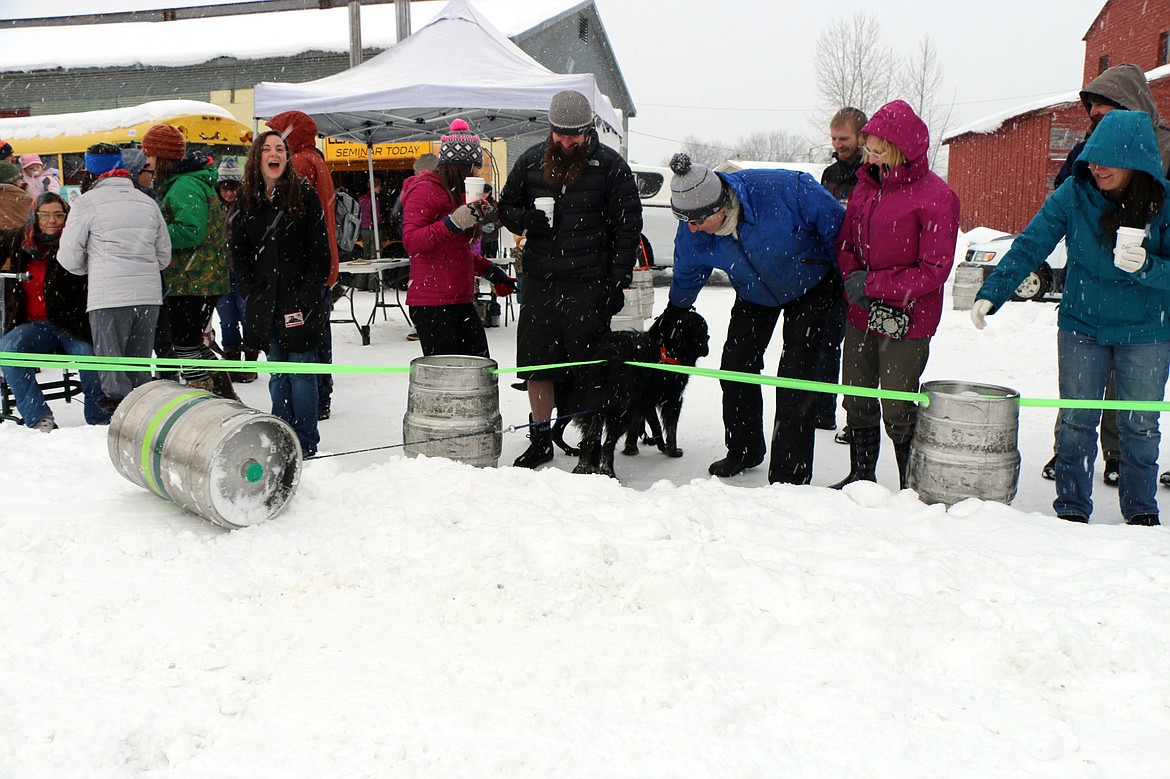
(373, 201)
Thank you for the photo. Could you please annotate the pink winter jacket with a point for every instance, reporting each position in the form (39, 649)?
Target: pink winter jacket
(442, 265)
(901, 226)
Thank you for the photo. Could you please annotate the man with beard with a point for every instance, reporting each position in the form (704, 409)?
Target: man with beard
(576, 267)
(1120, 87)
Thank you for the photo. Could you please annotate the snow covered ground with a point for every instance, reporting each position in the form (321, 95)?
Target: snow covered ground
(421, 618)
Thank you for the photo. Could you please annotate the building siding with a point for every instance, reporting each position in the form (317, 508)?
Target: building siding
(1126, 31)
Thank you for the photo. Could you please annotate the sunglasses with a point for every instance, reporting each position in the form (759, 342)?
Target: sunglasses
(58, 216)
(693, 222)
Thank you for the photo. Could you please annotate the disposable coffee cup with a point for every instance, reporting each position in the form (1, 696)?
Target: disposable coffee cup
(473, 186)
(1129, 236)
(547, 205)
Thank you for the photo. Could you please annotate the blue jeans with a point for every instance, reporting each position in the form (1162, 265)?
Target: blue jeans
(47, 338)
(1140, 371)
(231, 309)
(294, 396)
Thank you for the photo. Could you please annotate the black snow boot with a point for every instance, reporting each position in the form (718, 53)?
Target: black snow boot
(540, 451)
(902, 453)
(864, 445)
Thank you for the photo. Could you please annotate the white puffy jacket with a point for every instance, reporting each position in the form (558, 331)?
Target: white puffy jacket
(117, 236)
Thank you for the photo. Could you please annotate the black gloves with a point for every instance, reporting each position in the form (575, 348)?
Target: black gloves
(534, 221)
(670, 317)
(855, 286)
(502, 284)
(615, 298)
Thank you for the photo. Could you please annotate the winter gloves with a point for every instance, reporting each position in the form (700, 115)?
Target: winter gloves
(1131, 257)
(615, 298)
(855, 286)
(462, 218)
(502, 284)
(487, 213)
(534, 221)
(979, 313)
(670, 317)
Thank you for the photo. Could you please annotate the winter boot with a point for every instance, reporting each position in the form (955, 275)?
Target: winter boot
(207, 385)
(864, 445)
(902, 453)
(540, 451)
(221, 384)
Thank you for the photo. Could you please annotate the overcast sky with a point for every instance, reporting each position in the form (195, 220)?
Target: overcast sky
(722, 68)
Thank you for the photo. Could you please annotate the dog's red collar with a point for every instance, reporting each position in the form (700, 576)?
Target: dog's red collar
(665, 358)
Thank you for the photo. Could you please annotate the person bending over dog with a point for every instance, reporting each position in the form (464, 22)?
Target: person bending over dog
(773, 233)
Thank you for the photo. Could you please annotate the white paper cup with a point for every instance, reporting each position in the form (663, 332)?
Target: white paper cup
(1129, 236)
(473, 186)
(547, 205)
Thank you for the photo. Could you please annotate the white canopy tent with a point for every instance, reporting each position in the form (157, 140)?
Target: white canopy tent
(458, 65)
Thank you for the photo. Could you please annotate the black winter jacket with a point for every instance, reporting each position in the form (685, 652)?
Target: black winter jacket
(841, 177)
(598, 220)
(281, 266)
(65, 293)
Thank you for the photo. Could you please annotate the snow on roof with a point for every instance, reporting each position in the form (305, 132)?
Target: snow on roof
(250, 36)
(86, 122)
(990, 124)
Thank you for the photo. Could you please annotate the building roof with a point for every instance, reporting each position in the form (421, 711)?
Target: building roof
(250, 36)
(990, 124)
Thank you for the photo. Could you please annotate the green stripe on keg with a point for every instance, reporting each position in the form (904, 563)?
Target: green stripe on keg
(160, 425)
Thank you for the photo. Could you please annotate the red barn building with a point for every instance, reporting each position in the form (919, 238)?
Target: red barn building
(1002, 167)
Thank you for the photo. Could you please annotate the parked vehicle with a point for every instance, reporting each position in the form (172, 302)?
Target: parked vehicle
(1046, 280)
(659, 225)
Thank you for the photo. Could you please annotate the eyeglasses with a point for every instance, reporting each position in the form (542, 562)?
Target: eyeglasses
(874, 152)
(56, 216)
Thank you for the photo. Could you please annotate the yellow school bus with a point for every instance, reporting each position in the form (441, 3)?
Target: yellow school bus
(61, 139)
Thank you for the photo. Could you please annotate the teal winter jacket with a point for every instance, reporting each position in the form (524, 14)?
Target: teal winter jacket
(1100, 300)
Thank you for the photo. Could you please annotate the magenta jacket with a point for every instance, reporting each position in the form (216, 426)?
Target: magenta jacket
(442, 265)
(901, 226)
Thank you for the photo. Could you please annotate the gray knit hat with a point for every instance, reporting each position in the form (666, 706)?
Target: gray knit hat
(229, 172)
(133, 160)
(569, 113)
(696, 192)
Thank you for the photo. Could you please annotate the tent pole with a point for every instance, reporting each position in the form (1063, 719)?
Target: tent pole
(373, 201)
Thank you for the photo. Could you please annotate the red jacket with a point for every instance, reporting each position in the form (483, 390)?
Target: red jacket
(901, 225)
(300, 134)
(442, 265)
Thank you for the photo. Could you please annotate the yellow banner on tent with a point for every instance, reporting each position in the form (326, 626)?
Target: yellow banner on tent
(345, 151)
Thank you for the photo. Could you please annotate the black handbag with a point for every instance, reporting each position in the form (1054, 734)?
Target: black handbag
(887, 320)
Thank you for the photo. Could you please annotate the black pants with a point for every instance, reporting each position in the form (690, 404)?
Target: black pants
(188, 316)
(748, 334)
(453, 329)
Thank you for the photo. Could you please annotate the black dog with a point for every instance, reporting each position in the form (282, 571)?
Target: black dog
(617, 399)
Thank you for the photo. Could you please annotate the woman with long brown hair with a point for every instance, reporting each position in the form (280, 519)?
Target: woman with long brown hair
(280, 254)
(438, 229)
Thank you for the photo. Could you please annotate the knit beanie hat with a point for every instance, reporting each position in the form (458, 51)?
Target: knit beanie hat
(5, 150)
(133, 160)
(30, 159)
(461, 147)
(165, 142)
(9, 173)
(229, 171)
(696, 192)
(97, 163)
(569, 113)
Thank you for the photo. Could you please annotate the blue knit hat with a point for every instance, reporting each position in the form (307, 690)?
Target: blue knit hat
(98, 164)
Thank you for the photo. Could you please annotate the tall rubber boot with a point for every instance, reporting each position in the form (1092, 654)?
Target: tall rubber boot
(221, 384)
(540, 451)
(864, 445)
(902, 453)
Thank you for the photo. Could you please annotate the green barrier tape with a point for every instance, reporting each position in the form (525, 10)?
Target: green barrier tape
(781, 381)
(130, 364)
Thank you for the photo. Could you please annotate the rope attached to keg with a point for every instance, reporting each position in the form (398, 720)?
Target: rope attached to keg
(508, 429)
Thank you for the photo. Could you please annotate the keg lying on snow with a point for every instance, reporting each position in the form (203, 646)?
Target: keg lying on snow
(228, 463)
(453, 409)
(965, 443)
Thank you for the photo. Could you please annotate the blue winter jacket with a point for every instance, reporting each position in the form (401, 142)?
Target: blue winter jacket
(1100, 300)
(788, 226)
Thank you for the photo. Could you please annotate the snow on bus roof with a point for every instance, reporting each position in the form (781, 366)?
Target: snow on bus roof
(86, 122)
(248, 36)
